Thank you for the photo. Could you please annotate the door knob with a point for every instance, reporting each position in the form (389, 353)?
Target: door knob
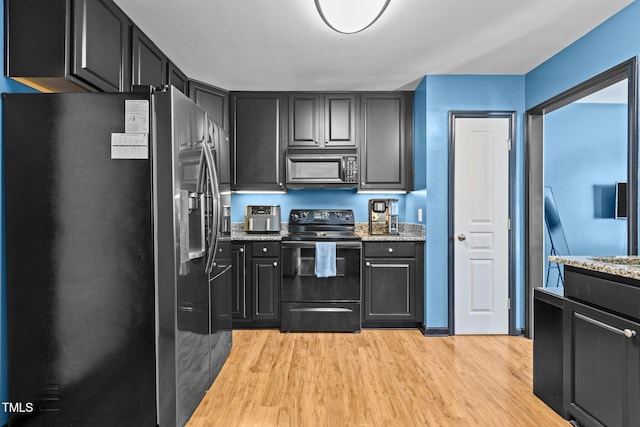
(462, 237)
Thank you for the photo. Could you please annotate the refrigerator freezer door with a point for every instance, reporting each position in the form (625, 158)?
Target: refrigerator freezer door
(80, 305)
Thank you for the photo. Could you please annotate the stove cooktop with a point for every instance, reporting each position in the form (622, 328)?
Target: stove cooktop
(321, 224)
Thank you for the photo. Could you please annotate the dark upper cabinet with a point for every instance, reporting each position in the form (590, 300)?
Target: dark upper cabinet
(177, 78)
(257, 137)
(63, 46)
(149, 64)
(322, 120)
(386, 141)
(213, 100)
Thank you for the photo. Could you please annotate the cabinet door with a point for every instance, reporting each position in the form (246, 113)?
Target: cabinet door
(149, 63)
(601, 367)
(340, 112)
(221, 301)
(384, 158)
(266, 288)
(257, 136)
(389, 289)
(101, 45)
(240, 301)
(213, 100)
(305, 120)
(177, 78)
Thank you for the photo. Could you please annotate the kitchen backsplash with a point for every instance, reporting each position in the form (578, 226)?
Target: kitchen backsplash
(314, 199)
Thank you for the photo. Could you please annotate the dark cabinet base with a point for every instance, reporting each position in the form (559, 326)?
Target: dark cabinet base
(547, 349)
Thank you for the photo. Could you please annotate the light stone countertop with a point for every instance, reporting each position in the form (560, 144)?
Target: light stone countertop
(408, 233)
(624, 266)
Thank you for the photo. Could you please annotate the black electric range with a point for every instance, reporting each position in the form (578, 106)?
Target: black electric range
(311, 299)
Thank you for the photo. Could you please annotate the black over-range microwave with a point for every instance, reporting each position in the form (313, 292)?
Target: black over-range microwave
(322, 168)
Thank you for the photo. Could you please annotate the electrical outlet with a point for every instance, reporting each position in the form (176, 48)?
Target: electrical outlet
(419, 215)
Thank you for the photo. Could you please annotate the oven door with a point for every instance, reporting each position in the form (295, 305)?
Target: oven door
(299, 282)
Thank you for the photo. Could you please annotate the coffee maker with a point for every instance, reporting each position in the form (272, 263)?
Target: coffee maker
(383, 216)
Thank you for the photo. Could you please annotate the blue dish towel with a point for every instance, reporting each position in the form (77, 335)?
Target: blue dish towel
(325, 259)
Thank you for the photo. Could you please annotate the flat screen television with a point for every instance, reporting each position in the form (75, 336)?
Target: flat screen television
(621, 199)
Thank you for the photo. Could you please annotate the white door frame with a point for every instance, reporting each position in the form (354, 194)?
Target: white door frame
(511, 115)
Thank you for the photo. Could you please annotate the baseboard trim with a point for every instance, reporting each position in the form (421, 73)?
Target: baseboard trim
(434, 332)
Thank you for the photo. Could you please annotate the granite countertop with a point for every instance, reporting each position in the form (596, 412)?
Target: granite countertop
(408, 233)
(624, 266)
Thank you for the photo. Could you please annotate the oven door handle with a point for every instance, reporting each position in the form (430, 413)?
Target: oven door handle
(312, 244)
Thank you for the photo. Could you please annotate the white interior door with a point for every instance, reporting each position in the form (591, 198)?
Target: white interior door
(481, 226)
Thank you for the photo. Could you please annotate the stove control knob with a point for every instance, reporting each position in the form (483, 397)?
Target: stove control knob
(295, 217)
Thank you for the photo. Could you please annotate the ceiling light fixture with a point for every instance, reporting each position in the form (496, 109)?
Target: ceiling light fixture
(350, 16)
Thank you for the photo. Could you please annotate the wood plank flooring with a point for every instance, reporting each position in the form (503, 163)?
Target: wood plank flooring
(375, 378)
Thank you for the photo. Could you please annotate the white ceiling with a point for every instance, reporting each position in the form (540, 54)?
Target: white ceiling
(284, 44)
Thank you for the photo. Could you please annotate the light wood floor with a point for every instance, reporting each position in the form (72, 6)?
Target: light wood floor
(375, 378)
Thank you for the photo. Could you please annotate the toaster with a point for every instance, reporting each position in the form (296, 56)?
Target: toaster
(262, 219)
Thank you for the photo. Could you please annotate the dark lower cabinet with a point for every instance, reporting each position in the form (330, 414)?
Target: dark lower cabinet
(601, 367)
(548, 306)
(266, 288)
(240, 300)
(256, 277)
(393, 284)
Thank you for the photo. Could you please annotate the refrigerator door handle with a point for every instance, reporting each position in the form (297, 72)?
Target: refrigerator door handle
(198, 199)
(213, 183)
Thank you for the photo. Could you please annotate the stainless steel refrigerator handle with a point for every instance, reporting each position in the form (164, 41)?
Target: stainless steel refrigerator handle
(213, 183)
(202, 174)
(200, 190)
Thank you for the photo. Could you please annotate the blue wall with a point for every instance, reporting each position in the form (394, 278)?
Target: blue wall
(585, 154)
(445, 93)
(6, 85)
(609, 44)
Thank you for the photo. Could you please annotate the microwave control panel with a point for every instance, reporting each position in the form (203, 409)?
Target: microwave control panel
(351, 169)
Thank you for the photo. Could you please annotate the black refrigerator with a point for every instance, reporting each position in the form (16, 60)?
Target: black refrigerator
(117, 257)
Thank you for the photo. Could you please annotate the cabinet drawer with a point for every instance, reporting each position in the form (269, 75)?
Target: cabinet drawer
(389, 249)
(614, 295)
(268, 249)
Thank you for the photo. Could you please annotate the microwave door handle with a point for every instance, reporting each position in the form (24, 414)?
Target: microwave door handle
(343, 173)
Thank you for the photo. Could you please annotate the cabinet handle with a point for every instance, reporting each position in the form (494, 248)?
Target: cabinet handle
(275, 264)
(368, 264)
(241, 250)
(280, 184)
(265, 250)
(629, 333)
(390, 250)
